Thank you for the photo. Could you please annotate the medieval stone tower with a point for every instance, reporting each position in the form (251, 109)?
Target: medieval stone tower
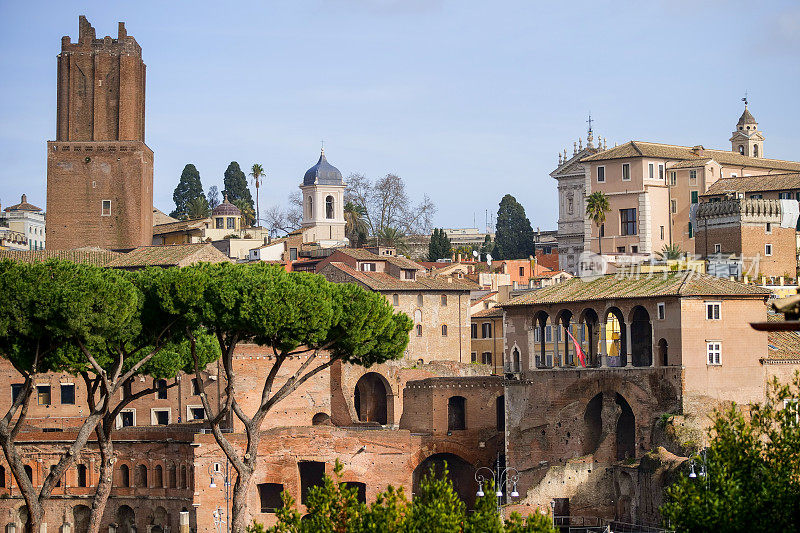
(323, 204)
(99, 170)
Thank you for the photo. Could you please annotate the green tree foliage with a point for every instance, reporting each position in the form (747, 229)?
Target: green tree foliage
(198, 208)
(295, 314)
(439, 247)
(750, 474)
(258, 175)
(236, 187)
(189, 188)
(670, 252)
(486, 247)
(333, 507)
(212, 196)
(514, 235)
(248, 215)
(596, 208)
(355, 227)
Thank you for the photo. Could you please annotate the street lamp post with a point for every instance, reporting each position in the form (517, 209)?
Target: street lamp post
(219, 514)
(500, 477)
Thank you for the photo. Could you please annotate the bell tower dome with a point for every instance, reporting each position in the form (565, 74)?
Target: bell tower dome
(747, 139)
(323, 204)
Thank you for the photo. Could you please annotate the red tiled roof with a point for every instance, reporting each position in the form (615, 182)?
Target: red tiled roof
(169, 255)
(380, 281)
(89, 256)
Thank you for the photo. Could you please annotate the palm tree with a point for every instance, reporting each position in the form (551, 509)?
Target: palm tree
(596, 209)
(393, 237)
(669, 252)
(198, 208)
(257, 173)
(354, 226)
(247, 212)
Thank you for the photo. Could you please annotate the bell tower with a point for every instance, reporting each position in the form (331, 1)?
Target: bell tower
(99, 169)
(747, 139)
(323, 204)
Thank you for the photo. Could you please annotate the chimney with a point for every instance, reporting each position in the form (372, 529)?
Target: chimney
(24, 198)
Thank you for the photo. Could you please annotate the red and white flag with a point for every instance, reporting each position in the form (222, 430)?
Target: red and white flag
(578, 350)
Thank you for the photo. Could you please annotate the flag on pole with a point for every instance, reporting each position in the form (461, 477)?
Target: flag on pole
(578, 350)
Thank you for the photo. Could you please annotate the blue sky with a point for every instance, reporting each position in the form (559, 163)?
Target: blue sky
(466, 100)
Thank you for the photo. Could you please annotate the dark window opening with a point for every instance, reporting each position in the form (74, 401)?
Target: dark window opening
(269, 495)
(16, 389)
(197, 413)
(311, 474)
(474, 331)
(195, 387)
(67, 394)
(627, 221)
(124, 476)
(486, 358)
(162, 418)
(43, 394)
(361, 490)
(161, 389)
(500, 406)
(141, 476)
(2, 476)
(29, 472)
(456, 413)
(126, 419)
(81, 475)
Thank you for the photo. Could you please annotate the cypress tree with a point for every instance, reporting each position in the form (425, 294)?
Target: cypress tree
(514, 235)
(439, 247)
(236, 187)
(189, 188)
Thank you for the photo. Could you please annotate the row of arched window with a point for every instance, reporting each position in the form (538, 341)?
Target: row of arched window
(173, 480)
(329, 207)
(81, 475)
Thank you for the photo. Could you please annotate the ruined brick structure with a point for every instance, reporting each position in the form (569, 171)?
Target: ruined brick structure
(99, 169)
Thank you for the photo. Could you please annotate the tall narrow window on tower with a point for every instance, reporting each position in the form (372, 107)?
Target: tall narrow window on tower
(329, 207)
(106, 208)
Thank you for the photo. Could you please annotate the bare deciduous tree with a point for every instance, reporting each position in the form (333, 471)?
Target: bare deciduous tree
(285, 220)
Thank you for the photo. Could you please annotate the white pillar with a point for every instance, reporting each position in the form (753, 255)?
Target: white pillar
(628, 346)
(184, 522)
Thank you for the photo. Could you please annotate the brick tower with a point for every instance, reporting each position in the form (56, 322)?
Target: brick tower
(99, 170)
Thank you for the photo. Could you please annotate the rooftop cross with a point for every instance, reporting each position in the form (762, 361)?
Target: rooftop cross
(745, 98)
(590, 122)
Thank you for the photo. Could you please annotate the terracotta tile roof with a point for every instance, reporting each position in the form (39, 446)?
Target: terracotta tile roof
(89, 256)
(690, 163)
(403, 262)
(23, 206)
(169, 255)
(746, 184)
(485, 296)
(683, 283)
(380, 281)
(492, 312)
(360, 254)
(160, 218)
(782, 344)
(671, 151)
(180, 226)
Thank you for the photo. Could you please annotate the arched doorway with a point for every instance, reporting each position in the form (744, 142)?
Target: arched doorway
(626, 430)
(371, 399)
(616, 342)
(593, 424)
(641, 337)
(460, 473)
(544, 358)
(589, 336)
(126, 519)
(663, 354)
(562, 326)
(80, 518)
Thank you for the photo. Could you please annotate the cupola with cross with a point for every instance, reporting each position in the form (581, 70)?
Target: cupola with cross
(323, 204)
(747, 140)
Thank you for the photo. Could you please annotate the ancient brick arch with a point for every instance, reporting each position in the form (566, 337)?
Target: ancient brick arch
(373, 399)
(460, 472)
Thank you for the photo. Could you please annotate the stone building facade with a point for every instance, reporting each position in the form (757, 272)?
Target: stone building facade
(99, 169)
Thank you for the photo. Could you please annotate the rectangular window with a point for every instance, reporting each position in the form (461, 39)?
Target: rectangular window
(634, 249)
(195, 413)
(651, 171)
(127, 418)
(694, 197)
(474, 357)
(601, 174)
(692, 176)
(602, 230)
(627, 221)
(756, 196)
(486, 358)
(231, 223)
(620, 249)
(768, 250)
(419, 330)
(474, 331)
(768, 228)
(673, 178)
(486, 330)
(691, 230)
(293, 254)
(713, 310)
(661, 171)
(409, 274)
(537, 334)
(105, 209)
(16, 389)
(662, 311)
(784, 195)
(43, 394)
(444, 300)
(159, 417)
(662, 233)
(219, 223)
(548, 334)
(419, 300)
(626, 171)
(522, 271)
(714, 352)
(674, 205)
(67, 394)
(312, 474)
(195, 387)
(395, 300)
(368, 267)
(718, 248)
